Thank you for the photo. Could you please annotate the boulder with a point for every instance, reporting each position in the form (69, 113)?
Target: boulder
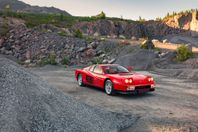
(82, 49)
(122, 37)
(102, 55)
(165, 41)
(105, 61)
(28, 61)
(90, 53)
(133, 38)
(140, 59)
(112, 61)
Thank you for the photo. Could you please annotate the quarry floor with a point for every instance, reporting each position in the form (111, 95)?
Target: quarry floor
(172, 107)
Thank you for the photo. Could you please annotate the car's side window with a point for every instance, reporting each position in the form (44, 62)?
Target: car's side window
(98, 70)
(92, 68)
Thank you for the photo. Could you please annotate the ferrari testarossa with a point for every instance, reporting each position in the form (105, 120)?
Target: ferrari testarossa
(114, 78)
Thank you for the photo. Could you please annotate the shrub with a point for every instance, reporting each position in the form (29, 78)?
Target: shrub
(62, 34)
(65, 61)
(44, 61)
(144, 44)
(97, 61)
(102, 15)
(89, 39)
(4, 30)
(183, 53)
(51, 59)
(78, 34)
(147, 44)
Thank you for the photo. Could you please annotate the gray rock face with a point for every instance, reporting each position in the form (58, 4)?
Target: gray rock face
(141, 59)
(29, 104)
(194, 25)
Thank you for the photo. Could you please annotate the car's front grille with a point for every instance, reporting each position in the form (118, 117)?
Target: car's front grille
(143, 87)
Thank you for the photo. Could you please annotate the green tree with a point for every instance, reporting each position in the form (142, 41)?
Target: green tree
(158, 19)
(7, 10)
(102, 15)
(141, 19)
(168, 15)
(61, 17)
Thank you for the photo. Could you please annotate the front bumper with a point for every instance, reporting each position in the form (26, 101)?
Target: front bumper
(137, 89)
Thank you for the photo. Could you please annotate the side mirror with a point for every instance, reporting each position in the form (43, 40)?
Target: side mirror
(130, 68)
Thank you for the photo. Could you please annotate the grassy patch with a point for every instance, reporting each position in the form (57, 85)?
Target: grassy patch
(35, 19)
(78, 34)
(65, 61)
(51, 60)
(60, 20)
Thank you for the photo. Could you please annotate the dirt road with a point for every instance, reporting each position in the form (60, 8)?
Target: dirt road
(172, 107)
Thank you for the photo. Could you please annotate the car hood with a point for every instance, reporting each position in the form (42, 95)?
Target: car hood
(134, 76)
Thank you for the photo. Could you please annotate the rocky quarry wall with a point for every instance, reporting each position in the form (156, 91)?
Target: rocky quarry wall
(194, 25)
(172, 46)
(185, 24)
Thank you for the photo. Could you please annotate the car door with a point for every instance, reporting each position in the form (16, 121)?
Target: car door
(99, 76)
(89, 77)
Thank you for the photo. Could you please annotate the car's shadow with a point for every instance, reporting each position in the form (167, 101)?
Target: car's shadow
(135, 96)
(121, 95)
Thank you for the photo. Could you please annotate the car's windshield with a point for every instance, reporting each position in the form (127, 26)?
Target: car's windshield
(114, 69)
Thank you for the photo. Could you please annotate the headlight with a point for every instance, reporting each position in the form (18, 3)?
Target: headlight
(150, 79)
(128, 81)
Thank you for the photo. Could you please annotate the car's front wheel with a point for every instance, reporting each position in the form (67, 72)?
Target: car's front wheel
(80, 80)
(109, 87)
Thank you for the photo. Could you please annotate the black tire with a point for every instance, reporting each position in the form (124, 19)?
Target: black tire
(109, 87)
(80, 80)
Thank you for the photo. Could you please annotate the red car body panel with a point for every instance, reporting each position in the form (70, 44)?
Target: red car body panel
(140, 82)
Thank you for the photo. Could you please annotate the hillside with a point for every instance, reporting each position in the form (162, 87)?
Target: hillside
(20, 6)
(37, 39)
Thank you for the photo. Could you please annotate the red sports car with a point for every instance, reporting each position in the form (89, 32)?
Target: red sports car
(114, 78)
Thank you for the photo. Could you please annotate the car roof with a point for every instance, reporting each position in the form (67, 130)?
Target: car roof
(106, 64)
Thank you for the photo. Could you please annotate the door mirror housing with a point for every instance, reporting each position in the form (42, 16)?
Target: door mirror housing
(130, 68)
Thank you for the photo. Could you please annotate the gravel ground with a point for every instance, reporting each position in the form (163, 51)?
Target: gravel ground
(172, 107)
(29, 104)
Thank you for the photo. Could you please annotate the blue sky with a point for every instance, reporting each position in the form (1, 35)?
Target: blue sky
(130, 9)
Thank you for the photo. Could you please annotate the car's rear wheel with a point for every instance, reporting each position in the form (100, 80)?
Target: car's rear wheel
(109, 87)
(80, 80)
